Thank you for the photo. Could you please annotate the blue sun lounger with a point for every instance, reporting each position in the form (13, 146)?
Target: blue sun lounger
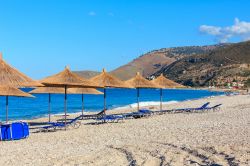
(214, 108)
(110, 118)
(94, 116)
(145, 111)
(74, 123)
(139, 114)
(203, 107)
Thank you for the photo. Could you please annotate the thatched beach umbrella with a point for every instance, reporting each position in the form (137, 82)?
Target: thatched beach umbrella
(49, 91)
(67, 79)
(106, 80)
(83, 91)
(10, 76)
(11, 91)
(165, 84)
(139, 82)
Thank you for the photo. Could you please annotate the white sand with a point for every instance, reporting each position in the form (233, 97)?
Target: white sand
(221, 137)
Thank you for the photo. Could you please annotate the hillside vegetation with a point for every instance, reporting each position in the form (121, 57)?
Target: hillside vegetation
(216, 66)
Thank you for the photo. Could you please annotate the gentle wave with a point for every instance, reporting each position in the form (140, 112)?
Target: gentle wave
(145, 104)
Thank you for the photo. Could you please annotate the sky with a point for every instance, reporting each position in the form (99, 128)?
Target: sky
(41, 37)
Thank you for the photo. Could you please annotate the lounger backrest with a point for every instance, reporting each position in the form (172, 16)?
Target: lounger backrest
(216, 106)
(205, 105)
(101, 113)
(73, 120)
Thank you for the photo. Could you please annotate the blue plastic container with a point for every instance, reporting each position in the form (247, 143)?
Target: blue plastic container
(26, 129)
(17, 131)
(5, 132)
(14, 131)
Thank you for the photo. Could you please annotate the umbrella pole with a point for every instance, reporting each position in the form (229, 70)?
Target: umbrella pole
(49, 106)
(161, 99)
(104, 95)
(7, 104)
(65, 106)
(82, 106)
(138, 96)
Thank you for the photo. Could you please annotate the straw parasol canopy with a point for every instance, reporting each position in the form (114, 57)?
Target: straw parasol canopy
(107, 80)
(48, 90)
(84, 91)
(67, 79)
(139, 82)
(12, 77)
(11, 91)
(165, 83)
(60, 90)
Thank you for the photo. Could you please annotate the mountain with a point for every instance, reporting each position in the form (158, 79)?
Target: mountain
(153, 61)
(218, 66)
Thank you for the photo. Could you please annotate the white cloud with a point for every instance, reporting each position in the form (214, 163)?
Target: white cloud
(239, 29)
(211, 30)
(92, 13)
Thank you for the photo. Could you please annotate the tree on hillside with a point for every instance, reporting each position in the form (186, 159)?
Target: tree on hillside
(247, 83)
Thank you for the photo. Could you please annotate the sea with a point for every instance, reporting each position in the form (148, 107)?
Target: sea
(21, 108)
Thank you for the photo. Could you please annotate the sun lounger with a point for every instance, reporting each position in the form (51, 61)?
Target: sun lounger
(74, 123)
(203, 107)
(94, 116)
(139, 114)
(214, 108)
(110, 118)
(145, 111)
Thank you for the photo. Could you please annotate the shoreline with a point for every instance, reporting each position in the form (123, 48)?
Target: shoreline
(114, 109)
(126, 109)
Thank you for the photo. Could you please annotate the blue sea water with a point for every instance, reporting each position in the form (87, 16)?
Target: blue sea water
(29, 108)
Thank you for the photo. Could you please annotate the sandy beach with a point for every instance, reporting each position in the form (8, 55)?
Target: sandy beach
(220, 137)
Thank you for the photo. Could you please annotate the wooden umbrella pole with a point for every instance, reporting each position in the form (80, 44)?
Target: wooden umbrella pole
(49, 111)
(104, 104)
(7, 104)
(138, 96)
(161, 99)
(82, 106)
(65, 106)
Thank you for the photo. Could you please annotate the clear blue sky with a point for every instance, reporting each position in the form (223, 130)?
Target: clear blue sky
(40, 37)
